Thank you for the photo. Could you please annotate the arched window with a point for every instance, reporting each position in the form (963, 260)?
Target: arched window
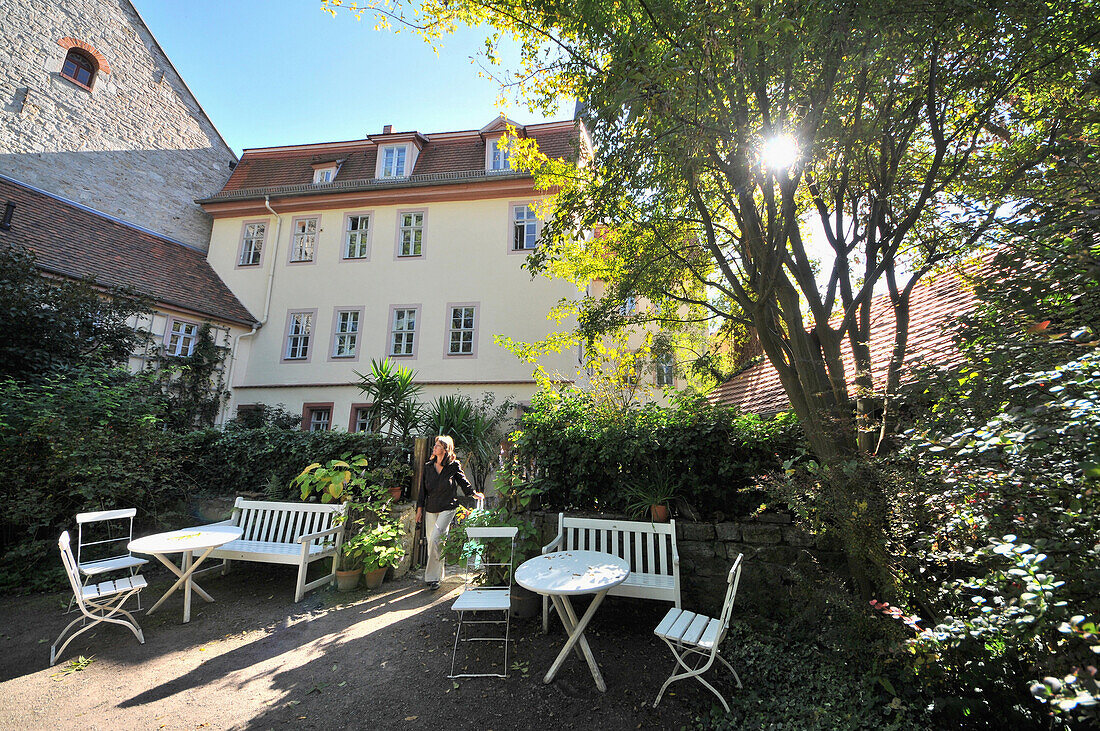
(79, 68)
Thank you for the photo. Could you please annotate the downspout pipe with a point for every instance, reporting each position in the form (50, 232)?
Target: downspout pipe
(274, 258)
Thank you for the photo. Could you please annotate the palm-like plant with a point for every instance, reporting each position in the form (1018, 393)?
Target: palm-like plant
(392, 392)
(477, 429)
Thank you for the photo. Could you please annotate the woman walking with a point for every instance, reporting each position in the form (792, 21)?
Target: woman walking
(438, 501)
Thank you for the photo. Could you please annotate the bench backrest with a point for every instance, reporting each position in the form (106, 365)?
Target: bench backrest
(282, 522)
(648, 547)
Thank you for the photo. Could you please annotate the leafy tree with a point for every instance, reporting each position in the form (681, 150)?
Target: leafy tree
(394, 398)
(901, 129)
(53, 324)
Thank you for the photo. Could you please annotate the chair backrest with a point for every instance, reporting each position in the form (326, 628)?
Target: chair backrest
(733, 580)
(71, 568)
(647, 547)
(475, 558)
(111, 529)
(273, 522)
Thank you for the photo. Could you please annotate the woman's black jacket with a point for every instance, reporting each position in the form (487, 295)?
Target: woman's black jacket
(437, 490)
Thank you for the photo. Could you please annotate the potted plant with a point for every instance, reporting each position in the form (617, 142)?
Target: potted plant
(350, 567)
(383, 550)
(653, 494)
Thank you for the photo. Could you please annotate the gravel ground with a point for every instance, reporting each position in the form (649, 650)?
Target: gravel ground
(379, 659)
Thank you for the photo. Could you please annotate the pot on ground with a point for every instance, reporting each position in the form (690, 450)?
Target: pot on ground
(525, 604)
(375, 576)
(348, 580)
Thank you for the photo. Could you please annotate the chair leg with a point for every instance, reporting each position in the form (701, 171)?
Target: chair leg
(693, 673)
(735, 676)
(225, 566)
(454, 650)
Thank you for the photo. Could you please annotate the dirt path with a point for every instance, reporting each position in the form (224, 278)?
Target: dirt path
(254, 659)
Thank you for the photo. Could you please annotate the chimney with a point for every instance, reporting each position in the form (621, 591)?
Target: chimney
(387, 129)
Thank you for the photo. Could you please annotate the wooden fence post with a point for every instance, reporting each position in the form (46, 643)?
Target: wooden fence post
(419, 457)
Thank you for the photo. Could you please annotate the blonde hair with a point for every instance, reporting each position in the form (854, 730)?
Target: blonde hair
(448, 448)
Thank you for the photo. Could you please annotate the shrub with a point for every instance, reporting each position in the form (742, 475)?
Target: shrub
(587, 454)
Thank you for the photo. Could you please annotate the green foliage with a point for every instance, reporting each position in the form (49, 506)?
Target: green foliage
(657, 485)
(392, 393)
(586, 456)
(1002, 540)
(54, 324)
(382, 545)
(806, 685)
(478, 428)
(193, 387)
(337, 480)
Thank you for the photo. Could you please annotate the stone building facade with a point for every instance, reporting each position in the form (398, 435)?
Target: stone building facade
(134, 143)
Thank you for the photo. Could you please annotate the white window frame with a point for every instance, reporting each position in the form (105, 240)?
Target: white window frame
(174, 341)
(409, 339)
(452, 330)
(529, 218)
(252, 244)
(362, 236)
(317, 414)
(412, 229)
(393, 161)
(666, 370)
(342, 318)
(324, 175)
(299, 239)
(298, 337)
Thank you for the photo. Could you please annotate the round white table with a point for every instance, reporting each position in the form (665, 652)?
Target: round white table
(204, 538)
(563, 574)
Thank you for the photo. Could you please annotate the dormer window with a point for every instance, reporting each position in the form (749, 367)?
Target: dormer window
(500, 158)
(393, 161)
(324, 171)
(79, 68)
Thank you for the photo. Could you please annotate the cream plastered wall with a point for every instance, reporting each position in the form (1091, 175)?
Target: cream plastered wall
(466, 259)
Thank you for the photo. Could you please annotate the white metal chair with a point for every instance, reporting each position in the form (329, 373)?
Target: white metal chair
(698, 637)
(98, 602)
(479, 596)
(106, 526)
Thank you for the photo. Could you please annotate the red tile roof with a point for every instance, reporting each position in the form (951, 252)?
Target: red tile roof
(934, 305)
(448, 152)
(73, 241)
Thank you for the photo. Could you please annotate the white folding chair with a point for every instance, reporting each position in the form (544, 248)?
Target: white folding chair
(97, 602)
(107, 534)
(698, 637)
(480, 596)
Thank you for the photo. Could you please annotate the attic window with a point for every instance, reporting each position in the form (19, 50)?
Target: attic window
(324, 175)
(393, 161)
(500, 157)
(79, 68)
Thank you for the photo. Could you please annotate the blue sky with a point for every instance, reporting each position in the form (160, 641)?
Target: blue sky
(283, 72)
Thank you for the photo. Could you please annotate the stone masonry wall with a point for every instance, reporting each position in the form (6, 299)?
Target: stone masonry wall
(773, 547)
(137, 146)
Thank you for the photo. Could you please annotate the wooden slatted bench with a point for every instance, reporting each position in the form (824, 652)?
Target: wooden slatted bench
(295, 534)
(649, 548)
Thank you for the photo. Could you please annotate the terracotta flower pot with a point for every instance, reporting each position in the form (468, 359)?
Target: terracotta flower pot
(375, 576)
(348, 580)
(658, 513)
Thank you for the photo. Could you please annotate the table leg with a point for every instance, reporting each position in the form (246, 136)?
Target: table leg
(187, 587)
(183, 575)
(576, 636)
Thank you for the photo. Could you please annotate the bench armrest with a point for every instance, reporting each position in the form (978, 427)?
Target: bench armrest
(319, 534)
(553, 545)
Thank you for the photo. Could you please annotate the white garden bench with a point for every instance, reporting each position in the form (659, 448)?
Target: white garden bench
(296, 534)
(649, 548)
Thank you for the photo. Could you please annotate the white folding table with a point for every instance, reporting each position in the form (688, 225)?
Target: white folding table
(563, 574)
(203, 538)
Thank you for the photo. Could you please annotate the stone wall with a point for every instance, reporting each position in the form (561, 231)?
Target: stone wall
(773, 547)
(137, 146)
